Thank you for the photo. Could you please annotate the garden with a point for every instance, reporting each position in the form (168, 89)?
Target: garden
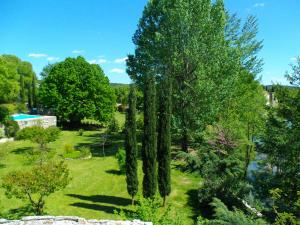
(97, 188)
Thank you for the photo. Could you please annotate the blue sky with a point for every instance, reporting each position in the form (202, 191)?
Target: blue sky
(46, 31)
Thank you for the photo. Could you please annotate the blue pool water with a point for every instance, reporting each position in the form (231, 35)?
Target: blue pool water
(24, 117)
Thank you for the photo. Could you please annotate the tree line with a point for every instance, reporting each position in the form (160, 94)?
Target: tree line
(198, 65)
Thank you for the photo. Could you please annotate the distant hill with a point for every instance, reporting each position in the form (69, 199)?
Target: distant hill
(119, 85)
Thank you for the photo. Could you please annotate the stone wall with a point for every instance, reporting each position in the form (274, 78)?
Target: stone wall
(44, 121)
(67, 220)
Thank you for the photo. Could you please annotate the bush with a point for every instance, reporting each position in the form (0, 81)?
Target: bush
(121, 157)
(68, 148)
(80, 132)
(12, 108)
(71, 153)
(4, 114)
(85, 152)
(11, 128)
(150, 210)
(113, 126)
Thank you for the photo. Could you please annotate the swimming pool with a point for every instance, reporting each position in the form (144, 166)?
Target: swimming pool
(24, 117)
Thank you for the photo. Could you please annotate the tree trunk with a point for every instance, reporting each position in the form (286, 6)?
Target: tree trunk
(184, 141)
(164, 201)
(132, 200)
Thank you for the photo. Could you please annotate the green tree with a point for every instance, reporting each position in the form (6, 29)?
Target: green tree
(294, 76)
(221, 168)
(36, 184)
(74, 90)
(280, 143)
(131, 145)
(41, 136)
(164, 139)
(149, 150)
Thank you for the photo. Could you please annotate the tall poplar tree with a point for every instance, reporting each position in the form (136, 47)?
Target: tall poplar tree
(149, 138)
(131, 145)
(164, 139)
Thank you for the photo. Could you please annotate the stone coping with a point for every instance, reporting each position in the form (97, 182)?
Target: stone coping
(67, 220)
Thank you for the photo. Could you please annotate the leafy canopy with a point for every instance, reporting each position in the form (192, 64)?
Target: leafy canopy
(74, 90)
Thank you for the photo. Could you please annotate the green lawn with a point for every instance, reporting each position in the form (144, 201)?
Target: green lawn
(96, 188)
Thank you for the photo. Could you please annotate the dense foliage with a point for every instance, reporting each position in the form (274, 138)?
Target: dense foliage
(74, 90)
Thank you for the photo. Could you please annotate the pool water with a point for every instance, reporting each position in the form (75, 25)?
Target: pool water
(24, 117)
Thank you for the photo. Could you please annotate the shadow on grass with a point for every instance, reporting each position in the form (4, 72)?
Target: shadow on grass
(114, 172)
(110, 149)
(18, 213)
(23, 150)
(193, 202)
(2, 166)
(106, 199)
(97, 207)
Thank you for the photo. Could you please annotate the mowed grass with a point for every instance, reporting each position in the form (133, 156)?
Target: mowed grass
(96, 189)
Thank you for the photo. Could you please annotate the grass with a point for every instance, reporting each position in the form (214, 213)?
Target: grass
(96, 188)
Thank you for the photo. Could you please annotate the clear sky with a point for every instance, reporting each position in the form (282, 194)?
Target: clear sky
(42, 31)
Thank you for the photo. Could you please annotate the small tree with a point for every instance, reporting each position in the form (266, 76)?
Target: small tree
(121, 157)
(36, 184)
(39, 135)
(113, 126)
(11, 128)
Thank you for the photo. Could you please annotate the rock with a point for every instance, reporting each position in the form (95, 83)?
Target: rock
(67, 220)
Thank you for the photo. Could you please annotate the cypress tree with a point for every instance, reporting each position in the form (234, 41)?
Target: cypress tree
(164, 139)
(149, 138)
(131, 145)
(33, 85)
(29, 96)
(22, 89)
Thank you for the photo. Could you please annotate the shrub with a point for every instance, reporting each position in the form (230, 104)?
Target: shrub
(91, 122)
(85, 152)
(4, 114)
(71, 153)
(121, 157)
(113, 126)
(80, 132)
(11, 128)
(68, 148)
(12, 108)
(149, 209)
